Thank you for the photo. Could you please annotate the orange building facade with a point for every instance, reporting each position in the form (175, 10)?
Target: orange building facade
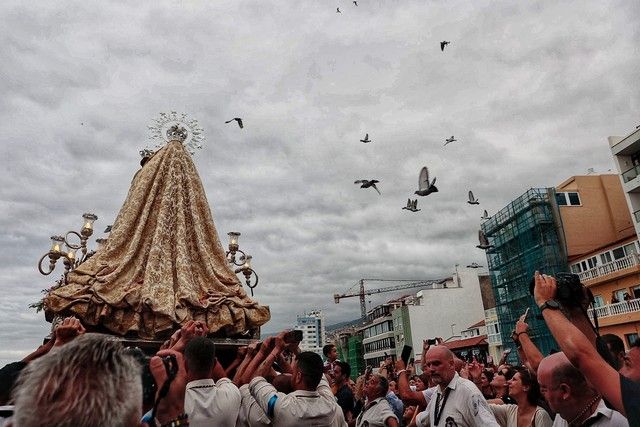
(602, 248)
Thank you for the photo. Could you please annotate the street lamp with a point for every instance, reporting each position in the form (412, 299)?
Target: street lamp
(61, 247)
(243, 261)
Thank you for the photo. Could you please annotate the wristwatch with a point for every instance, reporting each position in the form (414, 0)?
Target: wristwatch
(552, 304)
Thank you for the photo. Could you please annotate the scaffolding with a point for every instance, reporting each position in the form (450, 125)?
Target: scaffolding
(526, 236)
(350, 350)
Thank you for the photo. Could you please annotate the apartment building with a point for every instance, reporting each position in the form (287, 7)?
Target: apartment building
(602, 248)
(312, 326)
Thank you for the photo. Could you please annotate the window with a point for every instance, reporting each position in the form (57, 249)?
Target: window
(605, 257)
(619, 293)
(598, 301)
(618, 253)
(631, 339)
(575, 269)
(630, 249)
(570, 199)
(636, 292)
(574, 199)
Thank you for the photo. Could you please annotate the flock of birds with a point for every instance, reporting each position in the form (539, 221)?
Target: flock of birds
(425, 185)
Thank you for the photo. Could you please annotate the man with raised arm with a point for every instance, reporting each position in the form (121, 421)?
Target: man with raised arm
(621, 390)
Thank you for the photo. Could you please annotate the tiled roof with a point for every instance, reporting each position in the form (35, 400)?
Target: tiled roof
(467, 342)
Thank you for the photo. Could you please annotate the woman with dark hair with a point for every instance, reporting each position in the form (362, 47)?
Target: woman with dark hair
(485, 384)
(500, 386)
(524, 389)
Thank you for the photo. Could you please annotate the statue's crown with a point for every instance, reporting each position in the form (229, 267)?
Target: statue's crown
(177, 133)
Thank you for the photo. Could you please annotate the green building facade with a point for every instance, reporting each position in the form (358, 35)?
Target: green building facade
(526, 235)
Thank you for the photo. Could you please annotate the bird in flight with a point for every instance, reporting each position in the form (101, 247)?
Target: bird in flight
(472, 200)
(485, 215)
(355, 2)
(108, 229)
(412, 205)
(366, 139)
(449, 140)
(237, 119)
(366, 183)
(474, 265)
(443, 44)
(338, 10)
(425, 187)
(484, 242)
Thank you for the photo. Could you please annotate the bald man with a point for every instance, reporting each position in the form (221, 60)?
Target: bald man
(457, 402)
(570, 395)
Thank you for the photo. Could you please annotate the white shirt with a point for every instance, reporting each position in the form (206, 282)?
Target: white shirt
(251, 414)
(428, 394)
(301, 407)
(376, 413)
(609, 418)
(464, 405)
(212, 403)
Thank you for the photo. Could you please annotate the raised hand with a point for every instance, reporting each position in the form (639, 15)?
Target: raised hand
(172, 404)
(66, 331)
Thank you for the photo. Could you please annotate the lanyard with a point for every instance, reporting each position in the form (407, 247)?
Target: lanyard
(365, 409)
(439, 409)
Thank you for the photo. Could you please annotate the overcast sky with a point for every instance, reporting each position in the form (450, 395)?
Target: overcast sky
(531, 90)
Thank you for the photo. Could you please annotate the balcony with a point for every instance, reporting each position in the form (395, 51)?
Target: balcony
(610, 267)
(624, 307)
(631, 173)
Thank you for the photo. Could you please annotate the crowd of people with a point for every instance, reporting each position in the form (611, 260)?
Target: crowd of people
(89, 379)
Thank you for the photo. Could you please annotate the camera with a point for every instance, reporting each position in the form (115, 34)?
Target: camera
(293, 337)
(570, 292)
(431, 341)
(171, 366)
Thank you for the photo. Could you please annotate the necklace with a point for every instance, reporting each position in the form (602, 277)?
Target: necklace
(586, 408)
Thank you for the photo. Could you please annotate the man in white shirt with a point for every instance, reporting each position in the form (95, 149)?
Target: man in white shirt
(311, 402)
(457, 402)
(569, 394)
(208, 402)
(377, 412)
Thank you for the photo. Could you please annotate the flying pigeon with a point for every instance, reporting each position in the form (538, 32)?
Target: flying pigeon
(448, 140)
(355, 2)
(412, 205)
(237, 119)
(366, 139)
(484, 243)
(424, 186)
(338, 10)
(474, 265)
(443, 44)
(472, 200)
(108, 229)
(368, 183)
(485, 215)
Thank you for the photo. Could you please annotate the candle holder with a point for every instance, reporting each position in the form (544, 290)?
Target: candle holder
(243, 261)
(61, 247)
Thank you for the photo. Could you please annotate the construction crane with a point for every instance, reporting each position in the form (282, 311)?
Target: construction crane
(361, 293)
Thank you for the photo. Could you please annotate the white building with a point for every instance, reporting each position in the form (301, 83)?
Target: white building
(439, 312)
(626, 153)
(313, 331)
